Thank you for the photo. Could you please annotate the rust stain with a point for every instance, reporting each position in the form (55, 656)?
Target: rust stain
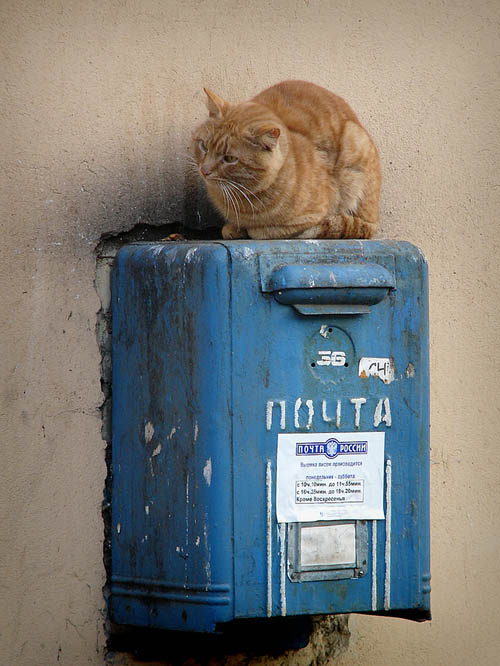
(410, 371)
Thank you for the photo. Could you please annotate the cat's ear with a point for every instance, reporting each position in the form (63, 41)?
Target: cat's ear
(216, 106)
(266, 136)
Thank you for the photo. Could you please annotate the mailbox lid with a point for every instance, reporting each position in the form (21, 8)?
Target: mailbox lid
(172, 557)
(277, 389)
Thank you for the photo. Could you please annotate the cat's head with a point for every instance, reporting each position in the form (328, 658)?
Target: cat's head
(243, 143)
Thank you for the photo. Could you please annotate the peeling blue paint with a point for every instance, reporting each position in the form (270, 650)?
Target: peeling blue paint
(216, 349)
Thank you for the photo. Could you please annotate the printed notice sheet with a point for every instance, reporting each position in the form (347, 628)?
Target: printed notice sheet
(330, 476)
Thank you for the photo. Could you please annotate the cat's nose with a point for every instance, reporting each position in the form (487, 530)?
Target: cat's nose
(206, 171)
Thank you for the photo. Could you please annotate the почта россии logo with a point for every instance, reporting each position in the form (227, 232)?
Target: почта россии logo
(331, 448)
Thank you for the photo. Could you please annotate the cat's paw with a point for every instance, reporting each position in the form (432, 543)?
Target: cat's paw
(230, 232)
(174, 237)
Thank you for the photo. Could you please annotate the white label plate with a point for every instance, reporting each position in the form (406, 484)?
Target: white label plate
(383, 368)
(330, 476)
(328, 545)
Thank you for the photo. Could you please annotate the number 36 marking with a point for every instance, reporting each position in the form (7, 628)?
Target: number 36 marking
(331, 358)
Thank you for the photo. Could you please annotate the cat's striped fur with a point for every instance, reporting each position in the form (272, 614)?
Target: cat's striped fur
(293, 162)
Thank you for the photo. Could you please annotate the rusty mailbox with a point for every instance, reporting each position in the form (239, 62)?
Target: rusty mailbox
(270, 431)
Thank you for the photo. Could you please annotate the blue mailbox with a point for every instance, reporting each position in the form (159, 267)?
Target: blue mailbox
(270, 423)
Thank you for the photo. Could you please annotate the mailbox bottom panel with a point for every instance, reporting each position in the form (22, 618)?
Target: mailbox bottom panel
(177, 608)
(320, 568)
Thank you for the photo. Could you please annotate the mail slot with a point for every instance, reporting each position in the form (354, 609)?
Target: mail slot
(270, 422)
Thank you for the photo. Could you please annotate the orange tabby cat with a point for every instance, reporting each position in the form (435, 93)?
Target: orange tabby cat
(293, 162)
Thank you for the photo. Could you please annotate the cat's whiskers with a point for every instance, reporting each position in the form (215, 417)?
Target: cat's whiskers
(226, 206)
(193, 168)
(243, 189)
(235, 203)
(237, 192)
(224, 186)
(192, 164)
(227, 200)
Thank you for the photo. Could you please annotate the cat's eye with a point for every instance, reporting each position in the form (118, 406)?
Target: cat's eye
(230, 159)
(202, 146)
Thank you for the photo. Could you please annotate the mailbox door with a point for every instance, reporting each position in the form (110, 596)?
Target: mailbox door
(312, 356)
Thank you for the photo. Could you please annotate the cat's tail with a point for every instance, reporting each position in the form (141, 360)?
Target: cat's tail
(356, 227)
(348, 226)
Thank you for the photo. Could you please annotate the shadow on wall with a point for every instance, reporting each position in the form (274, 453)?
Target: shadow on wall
(152, 208)
(140, 185)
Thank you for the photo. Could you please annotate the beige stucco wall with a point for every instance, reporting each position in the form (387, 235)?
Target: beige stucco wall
(97, 102)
